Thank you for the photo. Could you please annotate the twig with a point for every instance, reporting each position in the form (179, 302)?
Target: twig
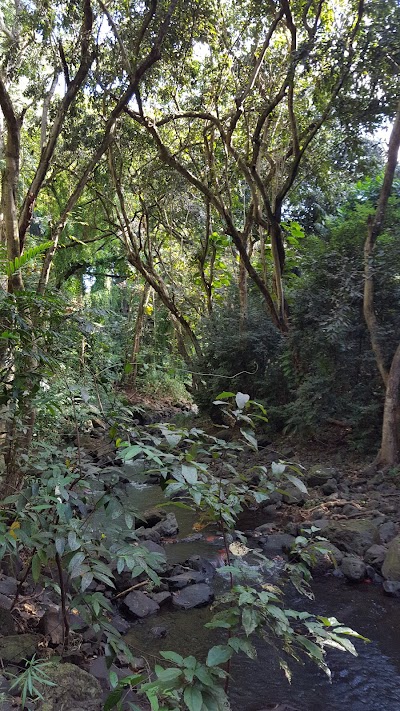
(133, 587)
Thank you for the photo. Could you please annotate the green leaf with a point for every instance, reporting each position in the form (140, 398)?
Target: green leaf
(189, 473)
(36, 567)
(224, 396)
(219, 655)
(249, 620)
(87, 579)
(297, 482)
(250, 438)
(113, 699)
(113, 676)
(241, 400)
(193, 698)
(168, 675)
(60, 545)
(172, 657)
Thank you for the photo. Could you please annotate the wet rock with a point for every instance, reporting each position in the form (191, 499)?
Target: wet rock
(320, 523)
(159, 632)
(153, 516)
(168, 527)
(330, 487)
(352, 536)
(16, 647)
(140, 605)
(392, 587)
(265, 528)
(375, 555)
(278, 543)
(196, 595)
(177, 582)
(353, 568)
(391, 564)
(388, 531)
(73, 690)
(202, 565)
(99, 669)
(325, 556)
(319, 475)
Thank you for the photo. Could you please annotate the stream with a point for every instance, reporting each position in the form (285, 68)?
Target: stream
(369, 682)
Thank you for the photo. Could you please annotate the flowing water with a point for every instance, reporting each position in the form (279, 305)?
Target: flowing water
(369, 682)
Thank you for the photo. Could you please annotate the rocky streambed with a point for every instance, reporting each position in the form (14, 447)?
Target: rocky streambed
(357, 579)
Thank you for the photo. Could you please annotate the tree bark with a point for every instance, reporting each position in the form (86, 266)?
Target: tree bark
(139, 325)
(389, 453)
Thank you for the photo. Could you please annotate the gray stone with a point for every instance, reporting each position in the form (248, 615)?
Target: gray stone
(159, 632)
(391, 564)
(196, 595)
(16, 647)
(352, 536)
(120, 624)
(6, 603)
(319, 475)
(392, 587)
(353, 568)
(278, 543)
(388, 531)
(73, 690)
(202, 565)
(140, 604)
(375, 555)
(153, 516)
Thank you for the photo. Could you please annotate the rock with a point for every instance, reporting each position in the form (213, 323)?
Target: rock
(120, 624)
(278, 543)
(265, 528)
(196, 595)
(7, 624)
(159, 632)
(388, 531)
(140, 604)
(320, 523)
(8, 586)
(202, 565)
(392, 587)
(161, 597)
(375, 555)
(17, 647)
(319, 475)
(324, 561)
(330, 487)
(74, 690)
(353, 568)
(99, 669)
(293, 495)
(352, 536)
(391, 564)
(177, 582)
(153, 516)
(168, 527)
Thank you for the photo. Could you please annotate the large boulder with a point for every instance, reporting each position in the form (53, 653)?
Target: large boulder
(352, 536)
(73, 690)
(391, 564)
(325, 556)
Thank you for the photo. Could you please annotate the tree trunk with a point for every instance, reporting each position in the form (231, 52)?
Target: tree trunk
(139, 325)
(389, 453)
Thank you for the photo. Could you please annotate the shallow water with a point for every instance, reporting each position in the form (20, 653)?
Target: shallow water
(369, 682)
